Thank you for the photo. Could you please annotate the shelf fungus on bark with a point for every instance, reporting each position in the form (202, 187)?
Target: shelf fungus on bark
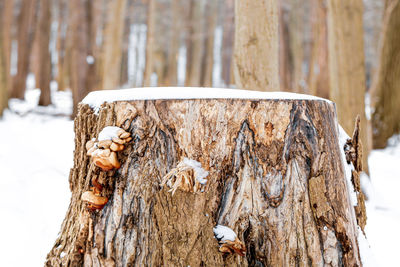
(228, 240)
(104, 151)
(94, 200)
(188, 176)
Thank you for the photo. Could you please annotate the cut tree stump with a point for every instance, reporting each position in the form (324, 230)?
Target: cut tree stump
(276, 177)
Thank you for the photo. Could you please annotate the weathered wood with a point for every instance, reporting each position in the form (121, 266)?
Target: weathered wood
(276, 177)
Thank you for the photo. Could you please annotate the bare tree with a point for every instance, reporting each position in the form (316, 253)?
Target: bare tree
(44, 68)
(386, 86)
(112, 52)
(26, 22)
(149, 68)
(211, 14)
(6, 21)
(318, 76)
(3, 67)
(174, 43)
(195, 43)
(256, 45)
(228, 26)
(346, 65)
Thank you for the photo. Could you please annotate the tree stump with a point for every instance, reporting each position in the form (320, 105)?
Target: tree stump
(276, 177)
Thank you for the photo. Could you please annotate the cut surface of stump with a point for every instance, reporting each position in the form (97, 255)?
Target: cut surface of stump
(275, 176)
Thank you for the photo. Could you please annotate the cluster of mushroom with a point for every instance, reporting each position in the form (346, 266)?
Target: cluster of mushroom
(188, 176)
(103, 152)
(228, 240)
(93, 198)
(104, 155)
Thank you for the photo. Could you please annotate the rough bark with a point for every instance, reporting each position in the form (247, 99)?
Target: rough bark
(276, 177)
(256, 52)
(113, 45)
(386, 92)
(44, 62)
(195, 43)
(346, 65)
(26, 22)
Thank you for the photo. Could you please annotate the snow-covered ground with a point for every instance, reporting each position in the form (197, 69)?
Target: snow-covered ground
(36, 156)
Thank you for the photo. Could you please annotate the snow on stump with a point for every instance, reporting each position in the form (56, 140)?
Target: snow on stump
(267, 166)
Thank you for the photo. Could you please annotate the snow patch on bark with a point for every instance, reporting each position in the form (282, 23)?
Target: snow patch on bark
(199, 172)
(108, 133)
(348, 168)
(224, 233)
(97, 98)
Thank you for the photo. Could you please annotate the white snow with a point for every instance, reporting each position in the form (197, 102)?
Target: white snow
(108, 133)
(224, 233)
(348, 168)
(199, 172)
(97, 98)
(36, 156)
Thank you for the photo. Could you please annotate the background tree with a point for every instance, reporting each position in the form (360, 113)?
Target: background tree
(111, 63)
(386, 87)
(347, 65)
(44, 68)
(256, 45)
(195, 43)
(149, 43)
(26, 21)
(3, 67)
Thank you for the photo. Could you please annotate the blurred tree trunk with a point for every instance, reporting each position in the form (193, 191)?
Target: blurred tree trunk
(61, 46)
(386, 86)
(160, 53)
(3, 65)
(256, 45)
(94, 10)
(277, 178)
(209, 32)
(149, 67)
(26, 22)
(124, 80)
(174, 44)
(346, 65)
(318, 77)
(44, 58)
(6, 22)
(285, 57)
(77, 45)
(113, 36)
(195, 43)
(292, 28)
(228, 41)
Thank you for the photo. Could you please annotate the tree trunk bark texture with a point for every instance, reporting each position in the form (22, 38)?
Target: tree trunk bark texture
(256, 52)
(44, 64)
(26, 22)
(386, 92)
(347, 77)
(276, 177)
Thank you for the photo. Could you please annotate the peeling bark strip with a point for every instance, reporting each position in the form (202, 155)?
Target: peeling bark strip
(275, 177)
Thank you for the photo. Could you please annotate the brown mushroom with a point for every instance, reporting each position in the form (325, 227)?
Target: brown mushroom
(116, 147)
(104, 143)
(94, 202)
